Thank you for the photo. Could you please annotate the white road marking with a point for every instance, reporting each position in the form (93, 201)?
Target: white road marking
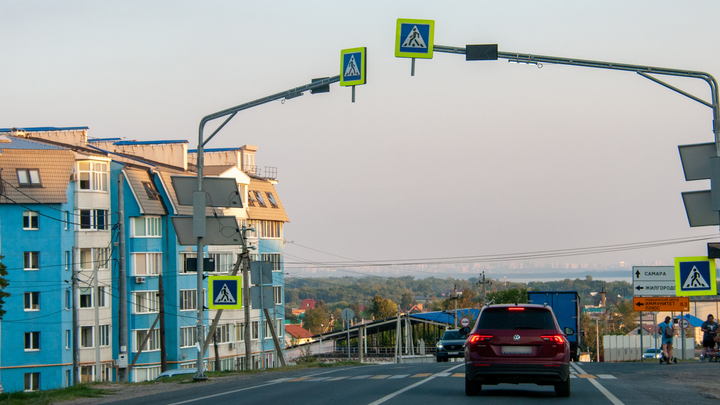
(600, 388)
(409, 387)
(606, 376)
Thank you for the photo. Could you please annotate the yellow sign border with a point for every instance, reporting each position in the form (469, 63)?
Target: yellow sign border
(430, 44)
(678, 282)
(362, 67)
(211, 294)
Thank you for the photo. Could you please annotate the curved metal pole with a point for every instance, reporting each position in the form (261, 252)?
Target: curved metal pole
(640, 69)
(199, 198)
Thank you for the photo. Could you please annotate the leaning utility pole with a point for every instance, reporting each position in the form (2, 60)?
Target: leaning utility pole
(483, 284)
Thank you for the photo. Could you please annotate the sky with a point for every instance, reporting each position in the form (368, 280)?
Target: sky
(477, 159)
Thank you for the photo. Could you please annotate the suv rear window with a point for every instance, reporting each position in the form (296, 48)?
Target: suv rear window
(452, 335)
(528, 318)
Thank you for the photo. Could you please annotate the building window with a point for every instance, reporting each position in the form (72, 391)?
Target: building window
(270, 229)
(104, 335)
(188, 300)
(259, 198)
(223, 262)
(86, 337)
(91, 258)
(187, 336)
(30, 220)
(32, 382)
(86, 298)
(67, 260)
(66, 216)
(147, 264)
(32, 301)
(277, 294)
(270, 197)
(67, 339)
(250, 228)
(29, 177)
(153, 341)
(31, 260)
(146, 302)
(251, 199)
(274, 258)
(147, 227)
(146, 373)
(255, 330)
(150, 190)
(223, 333)
(67, 299)
(182, 261)
(32, 341)
(93, 176)
(101, 297)
(94, 220)
(240, 332)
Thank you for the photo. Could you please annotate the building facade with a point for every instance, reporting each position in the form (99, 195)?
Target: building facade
(58, 219)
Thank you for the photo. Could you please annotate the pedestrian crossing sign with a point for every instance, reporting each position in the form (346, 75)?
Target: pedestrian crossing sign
(414, 38)
(225, 292)
(695, 276)
(353, 64)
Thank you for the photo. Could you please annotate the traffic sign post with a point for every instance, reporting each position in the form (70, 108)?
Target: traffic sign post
(353, 66)
(695, 276)
(414, 39)
(464, 321)
(348, 314)
(657, 304)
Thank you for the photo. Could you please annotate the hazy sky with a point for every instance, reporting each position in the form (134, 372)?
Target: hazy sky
(464, 159)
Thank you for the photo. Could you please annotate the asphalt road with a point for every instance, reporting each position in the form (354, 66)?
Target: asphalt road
(443, 383)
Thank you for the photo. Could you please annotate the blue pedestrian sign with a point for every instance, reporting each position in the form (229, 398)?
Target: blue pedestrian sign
(695, 276)
(414, 38)
(225, 292)
(353, 64)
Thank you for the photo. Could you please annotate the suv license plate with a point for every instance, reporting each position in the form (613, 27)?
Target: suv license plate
(517, 349)
(453, 353)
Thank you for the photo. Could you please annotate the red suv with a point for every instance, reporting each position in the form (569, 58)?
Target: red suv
(517, 344)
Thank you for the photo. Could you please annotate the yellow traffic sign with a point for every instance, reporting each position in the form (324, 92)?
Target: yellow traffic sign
(414, 38)
(655, 304)
(695, 276)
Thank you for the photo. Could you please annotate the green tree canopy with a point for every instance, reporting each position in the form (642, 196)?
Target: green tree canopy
(315, 320)
(382, 308)
(511, 296)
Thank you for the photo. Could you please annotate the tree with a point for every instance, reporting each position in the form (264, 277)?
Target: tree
(315, 320)
(407, 300)
(382, 308)
(3, 286)
(511, 296)
(467, 300)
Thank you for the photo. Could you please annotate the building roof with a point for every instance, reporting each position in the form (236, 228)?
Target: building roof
(143, 188)
(121, 143)
(298, 332)
(270, 211)
(53, 164)
(42, 129)
(216, 170)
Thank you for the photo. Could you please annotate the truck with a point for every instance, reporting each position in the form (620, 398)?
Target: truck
(566, 306)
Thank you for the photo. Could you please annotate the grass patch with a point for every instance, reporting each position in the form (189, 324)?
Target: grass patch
(50, 396)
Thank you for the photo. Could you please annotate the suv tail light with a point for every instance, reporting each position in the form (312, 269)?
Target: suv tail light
(554, 338)
(479, 338)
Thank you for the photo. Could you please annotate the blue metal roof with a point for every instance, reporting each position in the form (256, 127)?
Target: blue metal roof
(694, 320)
(104, 139)
(215, 150)
(446, 316)
(147, 142)
(26, 144)
(41, 129)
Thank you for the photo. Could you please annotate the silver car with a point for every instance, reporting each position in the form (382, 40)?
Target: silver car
(652, 354)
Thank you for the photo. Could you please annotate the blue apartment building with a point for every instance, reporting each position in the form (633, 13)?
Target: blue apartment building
(65, 226)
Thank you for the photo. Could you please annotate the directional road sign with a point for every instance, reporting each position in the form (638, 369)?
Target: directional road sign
(353, 66)
(653, 281)
(225, 292)
(695, 276)
(347, 314)
(655, 304)
(414, 38)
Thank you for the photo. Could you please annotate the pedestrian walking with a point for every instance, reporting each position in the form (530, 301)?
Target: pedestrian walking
(709, 329)
(667, 332)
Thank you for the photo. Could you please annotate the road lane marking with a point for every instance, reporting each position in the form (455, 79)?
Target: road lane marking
(585, 376)
(379, 377)
(319, 379)
(224, 393)
(409, 387)
(421, 375)
(458, 375)
(338, 378)
(600, 388)
(442, 375)
(361, 377)
(607, 376)
(399, 376)
(299, 379)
